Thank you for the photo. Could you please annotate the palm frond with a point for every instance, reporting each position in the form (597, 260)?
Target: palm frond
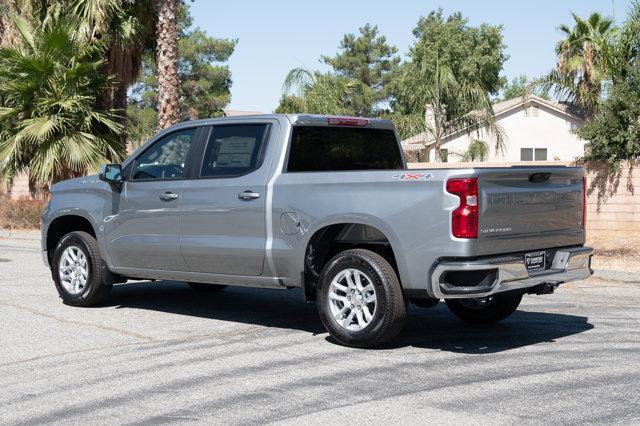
(23, 27)
(51, 127)
(298, 80)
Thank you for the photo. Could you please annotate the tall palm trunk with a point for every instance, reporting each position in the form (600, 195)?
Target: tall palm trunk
(120, 105)
(168, 80)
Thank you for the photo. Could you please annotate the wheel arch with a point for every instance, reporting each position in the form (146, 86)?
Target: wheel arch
(62, 225)
(337, 234)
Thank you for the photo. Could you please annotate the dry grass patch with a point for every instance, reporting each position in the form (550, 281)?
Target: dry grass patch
(23, 213)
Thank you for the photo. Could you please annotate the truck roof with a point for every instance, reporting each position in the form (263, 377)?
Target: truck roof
(298, 120)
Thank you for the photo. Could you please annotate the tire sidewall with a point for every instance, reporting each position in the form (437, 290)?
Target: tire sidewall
(373, 272)
(74, 239)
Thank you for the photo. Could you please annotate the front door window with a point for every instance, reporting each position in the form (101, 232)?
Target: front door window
(166, 158)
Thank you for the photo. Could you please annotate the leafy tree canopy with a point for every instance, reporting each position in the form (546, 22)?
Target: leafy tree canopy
(516, 88)
(322, 93)
(473, 53)
(290, 104)
(445, 86)
(520, 86)
(369, 59)
(614, 132)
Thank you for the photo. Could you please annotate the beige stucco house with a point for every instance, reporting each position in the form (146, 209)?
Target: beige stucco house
(534, 129)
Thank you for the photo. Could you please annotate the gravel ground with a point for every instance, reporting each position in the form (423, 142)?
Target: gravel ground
(160, 353)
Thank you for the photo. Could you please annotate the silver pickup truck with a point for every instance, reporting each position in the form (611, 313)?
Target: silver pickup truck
(325, 204)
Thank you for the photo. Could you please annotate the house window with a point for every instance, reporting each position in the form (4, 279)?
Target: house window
(531, 154)
(444, 153)
(541, 154)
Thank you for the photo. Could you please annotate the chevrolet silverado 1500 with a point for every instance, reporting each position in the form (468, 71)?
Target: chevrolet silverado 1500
(325, 204)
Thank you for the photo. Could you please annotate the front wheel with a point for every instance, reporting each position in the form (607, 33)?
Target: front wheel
(78, 272)
(360, 300)
(486, 310)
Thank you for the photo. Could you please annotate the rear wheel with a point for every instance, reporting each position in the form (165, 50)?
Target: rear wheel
(360, 300)
(486, 310)
(207, 287)
(78, 272)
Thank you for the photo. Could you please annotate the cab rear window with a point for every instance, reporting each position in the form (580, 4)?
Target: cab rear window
(319, 148)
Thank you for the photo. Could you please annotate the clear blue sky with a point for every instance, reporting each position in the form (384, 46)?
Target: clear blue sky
(276, 36)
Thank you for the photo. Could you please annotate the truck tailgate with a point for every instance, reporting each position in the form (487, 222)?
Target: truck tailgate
(529, 208)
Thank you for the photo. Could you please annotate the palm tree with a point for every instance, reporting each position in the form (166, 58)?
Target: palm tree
(583, 62)
(50, 127)
(477, 151)
(167, 56)
(127, 29)
(440, 105)
(319, 93)
(625, 50)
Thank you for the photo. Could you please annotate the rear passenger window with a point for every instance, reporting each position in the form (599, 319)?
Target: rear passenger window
(318, 148)
(233, 150)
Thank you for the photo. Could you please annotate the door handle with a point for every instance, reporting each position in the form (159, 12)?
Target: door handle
(248, 195)
(168, 196)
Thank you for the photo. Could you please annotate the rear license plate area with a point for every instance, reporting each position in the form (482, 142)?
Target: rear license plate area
(535, 262)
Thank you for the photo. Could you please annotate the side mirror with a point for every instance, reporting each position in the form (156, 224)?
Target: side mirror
(112, 174)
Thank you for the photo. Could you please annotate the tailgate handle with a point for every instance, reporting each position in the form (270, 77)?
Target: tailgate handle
(539, 177)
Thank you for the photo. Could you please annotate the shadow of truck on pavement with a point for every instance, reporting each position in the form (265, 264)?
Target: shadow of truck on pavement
(434, 328)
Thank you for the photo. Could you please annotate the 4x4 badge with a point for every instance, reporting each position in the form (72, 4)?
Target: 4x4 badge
(413, 176)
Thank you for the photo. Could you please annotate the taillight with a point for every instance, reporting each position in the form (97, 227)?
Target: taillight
(464, 219)
(584, 202)
(347, 121)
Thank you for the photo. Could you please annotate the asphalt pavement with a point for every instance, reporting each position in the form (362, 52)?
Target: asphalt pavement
(163, 353)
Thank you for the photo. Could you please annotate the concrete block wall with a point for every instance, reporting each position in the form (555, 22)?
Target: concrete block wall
(613, 202)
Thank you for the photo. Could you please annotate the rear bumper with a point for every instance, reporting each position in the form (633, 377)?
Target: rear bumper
(506, 273)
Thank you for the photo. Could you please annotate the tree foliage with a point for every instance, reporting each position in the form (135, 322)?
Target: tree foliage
(612, 128)
(614, 132)
(50, 127)
(473, 53)
(443, 105)
(356, 85)
(445, 86)
(369, 59)
(477, 151)
(584, 60)
(321, 93)
(521, 86)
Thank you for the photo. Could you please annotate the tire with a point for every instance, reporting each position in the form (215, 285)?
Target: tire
(495, 309)
(357, 325)
(207, 287)
(97, 284)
